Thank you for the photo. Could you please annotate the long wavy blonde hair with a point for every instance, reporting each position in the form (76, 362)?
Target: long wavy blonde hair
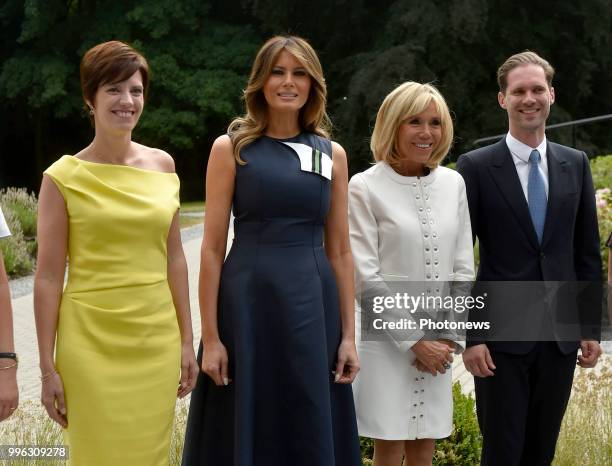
(313, 117)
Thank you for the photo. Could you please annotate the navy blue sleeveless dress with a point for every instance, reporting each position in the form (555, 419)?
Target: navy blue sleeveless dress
(279, 320)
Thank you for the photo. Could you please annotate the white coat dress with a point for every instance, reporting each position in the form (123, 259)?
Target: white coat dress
(410, 229)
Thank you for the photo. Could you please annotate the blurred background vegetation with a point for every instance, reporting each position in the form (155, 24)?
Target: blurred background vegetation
(200, 53)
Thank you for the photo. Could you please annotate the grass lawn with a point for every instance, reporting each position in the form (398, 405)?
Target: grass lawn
(191, 208)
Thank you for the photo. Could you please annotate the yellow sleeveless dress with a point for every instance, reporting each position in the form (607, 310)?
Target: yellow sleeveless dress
(118, 342)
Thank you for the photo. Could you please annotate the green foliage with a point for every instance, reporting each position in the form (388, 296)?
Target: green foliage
(17, 260)
(19, 249)
(601, 170)
(198, 64)
(367, 450)
(23, 205)
(603, 199)
(200, 54)
(464, 444)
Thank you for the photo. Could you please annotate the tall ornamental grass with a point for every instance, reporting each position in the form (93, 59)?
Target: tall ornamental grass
(586, 433)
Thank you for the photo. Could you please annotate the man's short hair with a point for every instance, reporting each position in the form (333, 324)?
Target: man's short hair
(522, 59)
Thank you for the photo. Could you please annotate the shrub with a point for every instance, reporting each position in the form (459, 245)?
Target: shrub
(24, 206)
(17, 260)
(603, 199)
(367, 451)
(465, 442)
(601, 170)
(19, 250)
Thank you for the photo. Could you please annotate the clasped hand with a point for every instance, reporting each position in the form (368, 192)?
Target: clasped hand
(433, 356)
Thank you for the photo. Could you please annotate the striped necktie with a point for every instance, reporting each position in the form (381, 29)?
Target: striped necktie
(536, 194)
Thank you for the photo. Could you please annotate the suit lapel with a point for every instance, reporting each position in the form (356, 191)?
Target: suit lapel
(557, 171)
(504, 174)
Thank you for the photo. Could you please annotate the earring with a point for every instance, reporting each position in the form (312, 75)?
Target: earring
(91, 112)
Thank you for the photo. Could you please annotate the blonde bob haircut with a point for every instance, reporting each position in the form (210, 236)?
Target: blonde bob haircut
(405, 101)
(313, 117)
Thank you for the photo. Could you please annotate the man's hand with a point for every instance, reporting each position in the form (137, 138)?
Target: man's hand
(591, 350)
(477, 360)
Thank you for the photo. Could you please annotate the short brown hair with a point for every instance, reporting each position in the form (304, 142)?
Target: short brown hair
(521, 59)
(111, 62)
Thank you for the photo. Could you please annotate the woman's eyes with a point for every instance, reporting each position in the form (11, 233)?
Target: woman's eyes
(281, 72)
(418, 121)
(115, 90)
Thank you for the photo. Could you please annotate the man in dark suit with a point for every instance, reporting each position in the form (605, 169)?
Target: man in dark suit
(532, 208)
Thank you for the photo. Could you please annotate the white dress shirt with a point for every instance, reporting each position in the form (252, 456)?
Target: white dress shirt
(4, 229)
(520, 155)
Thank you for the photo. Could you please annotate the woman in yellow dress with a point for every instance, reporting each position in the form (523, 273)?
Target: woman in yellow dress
(121, 329)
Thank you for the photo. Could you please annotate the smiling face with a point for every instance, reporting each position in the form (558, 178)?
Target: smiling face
(417, 137)
(288, 86)
(118, 106)
(527, 100)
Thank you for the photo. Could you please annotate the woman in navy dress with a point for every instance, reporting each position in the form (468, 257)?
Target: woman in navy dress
(278, 351)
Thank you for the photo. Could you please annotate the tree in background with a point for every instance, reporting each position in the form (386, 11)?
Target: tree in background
(200, 53)
(198, 70)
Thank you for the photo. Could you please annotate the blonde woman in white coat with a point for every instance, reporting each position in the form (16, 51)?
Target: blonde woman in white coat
(409, 221)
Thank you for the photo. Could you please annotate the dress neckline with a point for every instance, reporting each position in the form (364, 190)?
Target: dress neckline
(100, 164)
(284, 139)
(408, 179)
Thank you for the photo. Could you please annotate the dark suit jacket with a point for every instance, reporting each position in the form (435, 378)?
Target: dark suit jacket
(508, 244)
